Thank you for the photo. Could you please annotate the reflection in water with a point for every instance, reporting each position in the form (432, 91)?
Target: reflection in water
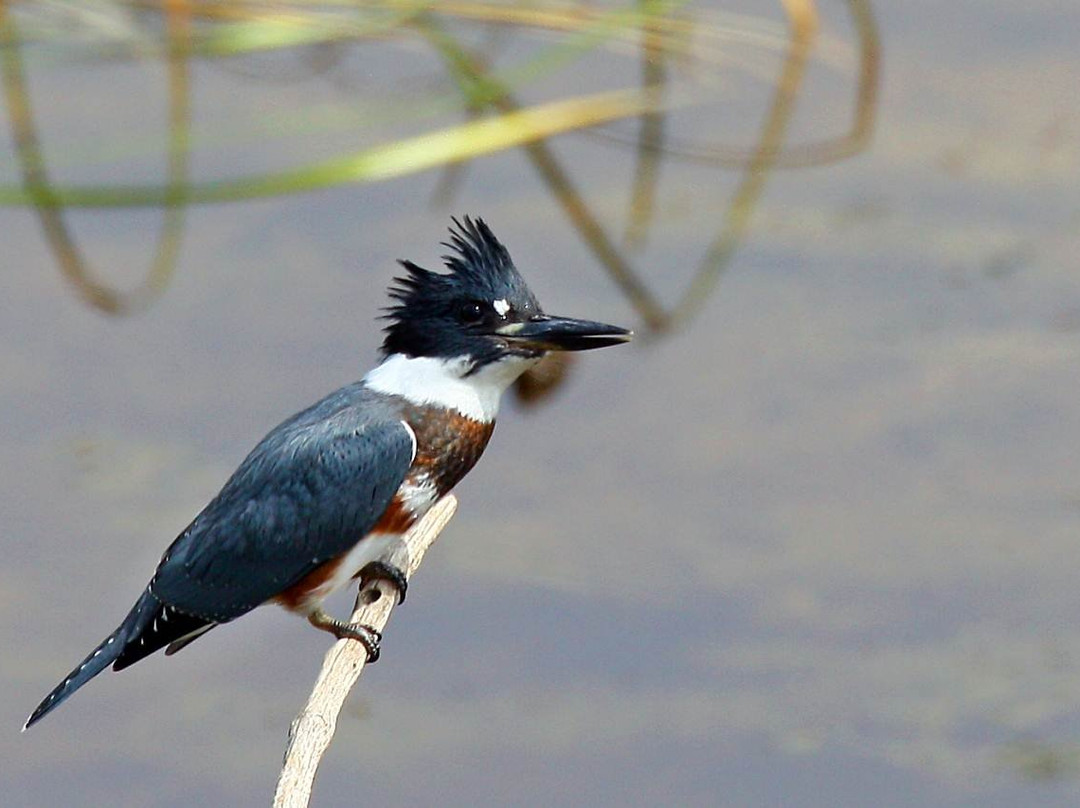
(813, 551)
(1041, 761)
(49, 205)
(664, 32)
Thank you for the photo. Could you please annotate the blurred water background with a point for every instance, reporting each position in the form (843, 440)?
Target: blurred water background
(810, 541)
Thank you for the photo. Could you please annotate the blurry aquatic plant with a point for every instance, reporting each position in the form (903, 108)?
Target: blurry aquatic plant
(682, 47)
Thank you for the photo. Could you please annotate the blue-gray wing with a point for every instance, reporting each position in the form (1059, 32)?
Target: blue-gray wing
(306, 494)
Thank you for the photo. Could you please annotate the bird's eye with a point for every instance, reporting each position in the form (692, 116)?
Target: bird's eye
(471, 312)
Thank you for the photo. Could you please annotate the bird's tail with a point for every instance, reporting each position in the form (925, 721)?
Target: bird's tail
(100, 658)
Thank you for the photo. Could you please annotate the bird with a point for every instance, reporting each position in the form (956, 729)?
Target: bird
(325, 496)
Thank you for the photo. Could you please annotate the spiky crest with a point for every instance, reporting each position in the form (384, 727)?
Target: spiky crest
(480, 269)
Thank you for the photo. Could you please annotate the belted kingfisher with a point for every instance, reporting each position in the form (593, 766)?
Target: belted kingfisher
(325, 496)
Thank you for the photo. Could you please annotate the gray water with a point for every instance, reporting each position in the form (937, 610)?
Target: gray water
(814, 548)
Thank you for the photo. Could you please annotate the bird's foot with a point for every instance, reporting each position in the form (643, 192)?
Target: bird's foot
(389, 572)
(370, 638)
(365, 635)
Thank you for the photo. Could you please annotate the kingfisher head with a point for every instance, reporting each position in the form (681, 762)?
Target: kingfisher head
(480, 312)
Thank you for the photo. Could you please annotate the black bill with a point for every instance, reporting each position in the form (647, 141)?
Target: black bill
(546, 333)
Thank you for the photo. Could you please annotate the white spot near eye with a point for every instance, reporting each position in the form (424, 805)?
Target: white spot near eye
(501, 307)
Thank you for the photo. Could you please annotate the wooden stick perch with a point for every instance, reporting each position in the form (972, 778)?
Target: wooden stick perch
(314, 727)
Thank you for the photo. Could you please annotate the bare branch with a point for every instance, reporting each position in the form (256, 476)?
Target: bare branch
(313, 729)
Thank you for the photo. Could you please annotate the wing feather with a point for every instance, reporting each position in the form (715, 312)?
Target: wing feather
(306, 494)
